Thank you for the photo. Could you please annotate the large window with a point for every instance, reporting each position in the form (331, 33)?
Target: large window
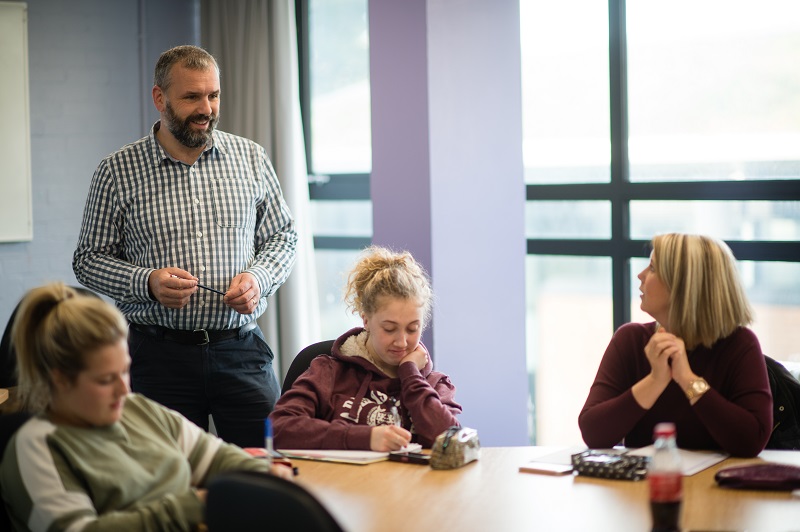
(642, 119)
(334, 57)
(637, 119)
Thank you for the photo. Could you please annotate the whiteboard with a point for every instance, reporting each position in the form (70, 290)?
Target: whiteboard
(16, 210)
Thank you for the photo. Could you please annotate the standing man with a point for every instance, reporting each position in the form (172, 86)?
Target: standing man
(170, 220)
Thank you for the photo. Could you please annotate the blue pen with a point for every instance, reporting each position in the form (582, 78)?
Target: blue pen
(268, 440)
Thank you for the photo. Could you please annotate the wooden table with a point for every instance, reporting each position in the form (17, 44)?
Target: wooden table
(492, 495)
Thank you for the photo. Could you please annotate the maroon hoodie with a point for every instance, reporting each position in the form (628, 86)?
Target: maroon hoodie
(337, 401)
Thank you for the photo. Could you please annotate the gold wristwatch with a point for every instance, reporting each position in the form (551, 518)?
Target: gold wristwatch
(697, 388)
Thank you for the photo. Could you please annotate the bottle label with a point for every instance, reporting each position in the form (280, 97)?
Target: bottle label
(665, 487)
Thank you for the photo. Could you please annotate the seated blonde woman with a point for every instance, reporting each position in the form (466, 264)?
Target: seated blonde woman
(377, 389)
(95, 456)
(697, 365)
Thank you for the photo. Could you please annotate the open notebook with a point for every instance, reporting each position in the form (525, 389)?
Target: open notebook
(343, 457)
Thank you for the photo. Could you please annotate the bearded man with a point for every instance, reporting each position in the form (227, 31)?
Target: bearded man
(187, 231)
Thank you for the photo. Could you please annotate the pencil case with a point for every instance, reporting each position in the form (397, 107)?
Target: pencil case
(455, 447)
(603, 464)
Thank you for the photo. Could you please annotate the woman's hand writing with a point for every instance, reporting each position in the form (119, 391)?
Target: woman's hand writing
(385, 438)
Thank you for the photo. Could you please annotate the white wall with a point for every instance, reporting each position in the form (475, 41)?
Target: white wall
(87, 98)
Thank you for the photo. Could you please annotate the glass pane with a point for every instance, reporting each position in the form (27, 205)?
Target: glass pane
(565, 91)
(332, 270)
(341, 218)
(339, 81)
(729, 220)
(713, 90)
(568, 219)
(774, 293)
(569, 323)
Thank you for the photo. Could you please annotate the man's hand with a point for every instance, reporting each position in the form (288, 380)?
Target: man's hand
(172, 287)
(243, 293)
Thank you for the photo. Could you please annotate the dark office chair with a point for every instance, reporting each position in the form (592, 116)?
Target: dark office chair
(303, 360)
(9, 423)
(785, 390)
(8, 356)
(249, 501)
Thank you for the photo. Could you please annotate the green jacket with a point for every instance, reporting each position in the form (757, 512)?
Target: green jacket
(138, 474)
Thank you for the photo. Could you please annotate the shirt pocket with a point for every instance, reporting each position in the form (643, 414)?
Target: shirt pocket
(234, 202)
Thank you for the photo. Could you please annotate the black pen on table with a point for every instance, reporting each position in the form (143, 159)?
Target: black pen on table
(202, 286)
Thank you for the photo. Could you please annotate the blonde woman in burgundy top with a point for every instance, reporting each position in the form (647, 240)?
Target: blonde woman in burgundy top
(697, 365)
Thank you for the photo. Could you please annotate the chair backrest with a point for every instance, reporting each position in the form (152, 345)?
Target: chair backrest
(9, 424)
(303, 360)
(785, 390)
(8, 356)
(248, 501)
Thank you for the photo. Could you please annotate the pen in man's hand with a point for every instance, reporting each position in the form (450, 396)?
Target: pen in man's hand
(202, 286)
(210, 289)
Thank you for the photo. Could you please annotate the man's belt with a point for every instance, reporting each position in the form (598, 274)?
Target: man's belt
(195, 337)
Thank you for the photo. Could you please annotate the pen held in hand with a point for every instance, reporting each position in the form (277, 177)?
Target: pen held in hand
(204, 287)
(210, 289)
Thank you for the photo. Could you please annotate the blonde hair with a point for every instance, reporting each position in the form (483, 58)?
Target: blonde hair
(707, 299)
(54, 329)
(381, 272)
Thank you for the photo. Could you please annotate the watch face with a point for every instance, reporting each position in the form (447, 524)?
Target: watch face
(699, 386)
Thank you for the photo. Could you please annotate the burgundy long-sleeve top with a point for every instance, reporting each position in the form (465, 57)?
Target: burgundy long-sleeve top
(735, 415)
(341, 397)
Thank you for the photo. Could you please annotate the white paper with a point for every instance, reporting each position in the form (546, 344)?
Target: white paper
(691, 461)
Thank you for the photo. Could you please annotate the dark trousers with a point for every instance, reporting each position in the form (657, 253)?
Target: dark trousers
(232, 380)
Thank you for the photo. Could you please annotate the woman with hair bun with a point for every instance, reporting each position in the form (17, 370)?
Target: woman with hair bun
(377, 389)
(697, 365)
(93, 455)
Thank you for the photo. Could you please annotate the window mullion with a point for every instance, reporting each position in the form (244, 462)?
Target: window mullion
(620, 206)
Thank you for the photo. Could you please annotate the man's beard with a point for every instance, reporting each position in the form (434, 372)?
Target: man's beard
(182, 129)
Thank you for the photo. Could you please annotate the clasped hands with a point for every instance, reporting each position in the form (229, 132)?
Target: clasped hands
(173, 287)
(668, 362)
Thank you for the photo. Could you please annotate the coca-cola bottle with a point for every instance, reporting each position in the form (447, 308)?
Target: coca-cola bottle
(665, 479)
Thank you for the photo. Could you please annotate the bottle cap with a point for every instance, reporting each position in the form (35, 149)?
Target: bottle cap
(664, 429)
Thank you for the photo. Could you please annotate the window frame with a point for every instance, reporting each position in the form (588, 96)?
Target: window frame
(329, 187)
(620, 191)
